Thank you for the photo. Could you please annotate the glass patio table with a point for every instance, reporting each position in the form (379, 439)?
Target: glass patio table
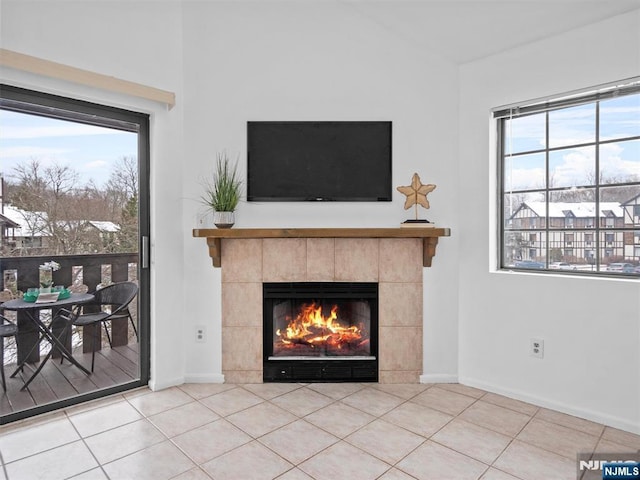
(32, 311)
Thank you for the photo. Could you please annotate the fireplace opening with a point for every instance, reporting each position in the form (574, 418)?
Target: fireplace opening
(320, 332)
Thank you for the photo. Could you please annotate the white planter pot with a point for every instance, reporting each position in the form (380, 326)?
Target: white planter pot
(223, 219)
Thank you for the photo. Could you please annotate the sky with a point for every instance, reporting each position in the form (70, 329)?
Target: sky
(574, 166)
(91, 151)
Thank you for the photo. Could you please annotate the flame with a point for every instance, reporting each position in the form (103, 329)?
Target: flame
(312, 328)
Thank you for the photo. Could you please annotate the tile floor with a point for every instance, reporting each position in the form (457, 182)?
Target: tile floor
(297, 432)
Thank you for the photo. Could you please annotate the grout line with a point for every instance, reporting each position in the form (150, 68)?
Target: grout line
(4, 467)
(86, 446)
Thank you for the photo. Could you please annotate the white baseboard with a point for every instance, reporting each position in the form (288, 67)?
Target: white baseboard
(438, 378)
(594, 416)
(156, 385)
(204, 378)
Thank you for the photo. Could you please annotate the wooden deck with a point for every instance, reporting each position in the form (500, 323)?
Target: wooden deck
(57, 381)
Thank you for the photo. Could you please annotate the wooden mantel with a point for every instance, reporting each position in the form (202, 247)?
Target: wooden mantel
(429, 236)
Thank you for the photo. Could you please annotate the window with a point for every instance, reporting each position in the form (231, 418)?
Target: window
(571, 165)
(568, 221)
(588, 238)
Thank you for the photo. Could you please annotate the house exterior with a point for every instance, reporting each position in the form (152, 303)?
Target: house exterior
(24, 231)
(632, 239)
(577, 245)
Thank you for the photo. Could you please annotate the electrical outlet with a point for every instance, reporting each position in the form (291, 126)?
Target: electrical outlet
(536, 348)
(201, 334)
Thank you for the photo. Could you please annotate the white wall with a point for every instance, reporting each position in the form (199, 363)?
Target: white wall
(316, 61)
(141, 42)
(591, 327)
(233, 62)
(250, 62)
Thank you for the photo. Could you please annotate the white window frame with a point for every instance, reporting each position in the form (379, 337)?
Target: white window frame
(508, 254)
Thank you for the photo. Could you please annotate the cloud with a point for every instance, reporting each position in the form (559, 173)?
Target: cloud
(14, 132)
(613, 165)
(96, 164)
(30, 151)
(525, 178)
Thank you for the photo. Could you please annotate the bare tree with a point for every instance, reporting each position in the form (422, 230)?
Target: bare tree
(122, 196)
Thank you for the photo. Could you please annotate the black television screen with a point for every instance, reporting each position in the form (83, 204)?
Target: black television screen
(319, 161)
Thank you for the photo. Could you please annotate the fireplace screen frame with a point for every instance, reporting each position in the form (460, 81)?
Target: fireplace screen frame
(323, 368)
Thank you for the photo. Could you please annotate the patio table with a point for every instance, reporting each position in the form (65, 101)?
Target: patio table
(32, 311)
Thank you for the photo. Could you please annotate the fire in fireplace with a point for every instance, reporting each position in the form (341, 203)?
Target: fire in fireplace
(320, 332)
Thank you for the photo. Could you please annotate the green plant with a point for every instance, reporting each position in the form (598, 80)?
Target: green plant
(222, 192)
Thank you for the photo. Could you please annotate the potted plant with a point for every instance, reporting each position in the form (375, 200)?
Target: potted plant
(222, 192)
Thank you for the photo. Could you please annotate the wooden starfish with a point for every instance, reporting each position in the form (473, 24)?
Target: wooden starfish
(416, 193)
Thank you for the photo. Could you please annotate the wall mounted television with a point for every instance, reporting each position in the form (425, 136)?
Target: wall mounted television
(319, 161)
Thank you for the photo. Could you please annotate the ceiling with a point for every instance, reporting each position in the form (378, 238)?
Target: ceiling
(466, 30)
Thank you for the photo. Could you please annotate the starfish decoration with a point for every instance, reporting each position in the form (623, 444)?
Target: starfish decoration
(416, 193)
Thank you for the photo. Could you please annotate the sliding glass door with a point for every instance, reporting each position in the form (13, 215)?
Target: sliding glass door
(75, 192)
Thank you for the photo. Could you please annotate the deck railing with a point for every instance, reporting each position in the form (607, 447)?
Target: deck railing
(21, 273)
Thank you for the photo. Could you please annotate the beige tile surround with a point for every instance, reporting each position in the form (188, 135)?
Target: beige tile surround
(395, 263)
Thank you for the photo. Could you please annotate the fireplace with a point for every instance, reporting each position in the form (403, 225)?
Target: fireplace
(320, 332)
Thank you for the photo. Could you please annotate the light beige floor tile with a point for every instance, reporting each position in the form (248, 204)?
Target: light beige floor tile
(373, 401)
(386, 441)
(121, 441)
(159, 462)
(93, 404)
(252, 461)
(339, 419)
(104, 418)
(231, 401)
(22, 425)
(302, 402)
(94, 474)
(532, 463)
(137, 392)
(336, 391)
(156, 402)
(557, 439)
(61, 462)
(405, 391)
(606, 446)
(201, 390)
(395, 474)
(472, 440)
(344, 461)
(261, 419)
(510, 403)
(432, 461)
(463, 389)
(496, 418)
(271, 390)
(623, 438)
(182, 419)
(211, 440)
(494, 474)
(570, 421)
(294, 474)
(37, 438)
(193, 474)
(443, 400)
(418, 419)
(298, 441)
